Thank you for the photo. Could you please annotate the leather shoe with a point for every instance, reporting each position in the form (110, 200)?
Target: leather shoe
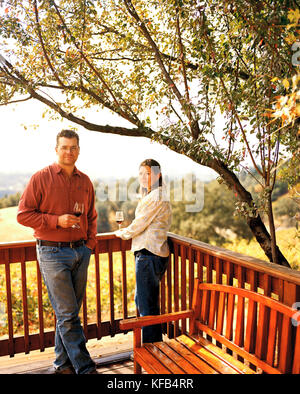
(93, 372)
(65, 371)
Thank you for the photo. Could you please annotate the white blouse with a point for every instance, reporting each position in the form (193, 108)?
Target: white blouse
(152, 222)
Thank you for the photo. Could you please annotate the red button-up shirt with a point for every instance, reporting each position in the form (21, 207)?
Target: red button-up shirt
(51, 193)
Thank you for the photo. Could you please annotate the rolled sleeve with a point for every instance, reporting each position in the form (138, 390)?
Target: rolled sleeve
(146, 214)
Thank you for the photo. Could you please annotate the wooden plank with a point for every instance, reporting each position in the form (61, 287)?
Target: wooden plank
(285, 345)
(176, 285)
(191, 275)
(296, 362)
(163, 358)
(201, 365)
(124, 281)
(98, 292)
(263, 319)
(25, 301)
(156, 319)
(240, 351)
(111, 290)
(230, 313)
(212, 309)
(206, 355)
(251, 326)
(169, 295)
(40, 306)
(196, 306)
(200, 260)
(148, 362)
(183, 284)
(11, 343)
(234, 363)
(240, 317)
(221, 312)
(272, 337)
(204, 306)
(177, 358)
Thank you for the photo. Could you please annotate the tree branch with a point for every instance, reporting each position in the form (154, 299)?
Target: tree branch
(193, 124)
(184, 104)
(131, 118)
(17, 78)
(43, 45)
(17, 101)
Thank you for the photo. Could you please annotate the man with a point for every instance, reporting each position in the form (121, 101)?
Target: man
(64, 245)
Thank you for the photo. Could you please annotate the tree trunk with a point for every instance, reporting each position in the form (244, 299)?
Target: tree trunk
(272, 228)
(255, 223)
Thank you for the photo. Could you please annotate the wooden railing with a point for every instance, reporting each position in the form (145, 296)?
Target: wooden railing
(109, 272)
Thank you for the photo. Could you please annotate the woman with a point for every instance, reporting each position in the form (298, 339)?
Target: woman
(149, 243)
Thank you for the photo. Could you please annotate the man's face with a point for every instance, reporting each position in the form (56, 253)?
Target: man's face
(67, 151)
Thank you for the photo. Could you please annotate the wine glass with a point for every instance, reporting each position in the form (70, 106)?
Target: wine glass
(78, 211)
(119, 218)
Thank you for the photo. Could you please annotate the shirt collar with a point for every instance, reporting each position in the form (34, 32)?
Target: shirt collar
(58, 169)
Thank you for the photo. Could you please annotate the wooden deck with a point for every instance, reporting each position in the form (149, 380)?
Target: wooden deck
(112, 356)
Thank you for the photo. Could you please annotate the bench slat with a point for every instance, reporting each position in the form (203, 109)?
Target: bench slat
(296, 363)
(226, 357)
(272, 337)
(165, 360)
(204, 353)
(240, 351)
(201, 365)
(148, 362)
(177, 358)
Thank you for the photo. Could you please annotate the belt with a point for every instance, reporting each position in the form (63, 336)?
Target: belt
(73, 245)
(145, 252)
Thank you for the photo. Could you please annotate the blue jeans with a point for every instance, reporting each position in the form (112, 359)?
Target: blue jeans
(64, 271)
(149, 270)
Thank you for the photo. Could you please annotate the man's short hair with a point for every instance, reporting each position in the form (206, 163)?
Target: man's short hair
(67, 134)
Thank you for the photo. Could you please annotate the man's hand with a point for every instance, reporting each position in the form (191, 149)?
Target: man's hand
(67, 220)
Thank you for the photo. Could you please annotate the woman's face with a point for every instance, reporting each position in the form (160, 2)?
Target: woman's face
(147, 178)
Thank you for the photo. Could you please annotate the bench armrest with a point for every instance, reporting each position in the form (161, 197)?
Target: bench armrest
(138, 322)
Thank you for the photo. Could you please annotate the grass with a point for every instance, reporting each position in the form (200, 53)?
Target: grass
(287, 240)
(10, 229)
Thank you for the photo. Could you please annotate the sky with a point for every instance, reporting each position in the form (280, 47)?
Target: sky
(101, 155)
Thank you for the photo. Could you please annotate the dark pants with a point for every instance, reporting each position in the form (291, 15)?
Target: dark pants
(149, 269)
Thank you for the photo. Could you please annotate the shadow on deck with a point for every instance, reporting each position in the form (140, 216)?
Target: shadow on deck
(111, 355)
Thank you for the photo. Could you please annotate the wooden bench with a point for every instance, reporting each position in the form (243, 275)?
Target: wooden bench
(231, 331)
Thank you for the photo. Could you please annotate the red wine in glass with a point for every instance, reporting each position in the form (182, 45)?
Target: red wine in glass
(77, 214)
(119, 218)
(78, 211)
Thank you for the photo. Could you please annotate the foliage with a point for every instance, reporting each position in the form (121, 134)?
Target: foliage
(215, 222)
(10, 201)
(288, 240)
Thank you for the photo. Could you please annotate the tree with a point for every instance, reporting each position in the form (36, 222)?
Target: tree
(183, 61)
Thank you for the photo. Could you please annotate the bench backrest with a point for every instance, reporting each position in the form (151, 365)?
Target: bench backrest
(257, 328)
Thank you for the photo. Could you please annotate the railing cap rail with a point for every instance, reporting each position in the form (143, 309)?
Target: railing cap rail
(239, 258)
(246, 261)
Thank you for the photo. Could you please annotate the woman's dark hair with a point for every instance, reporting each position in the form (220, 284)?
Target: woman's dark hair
(155, 167)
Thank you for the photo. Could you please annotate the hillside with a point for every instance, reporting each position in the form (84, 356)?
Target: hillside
(10, 229)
